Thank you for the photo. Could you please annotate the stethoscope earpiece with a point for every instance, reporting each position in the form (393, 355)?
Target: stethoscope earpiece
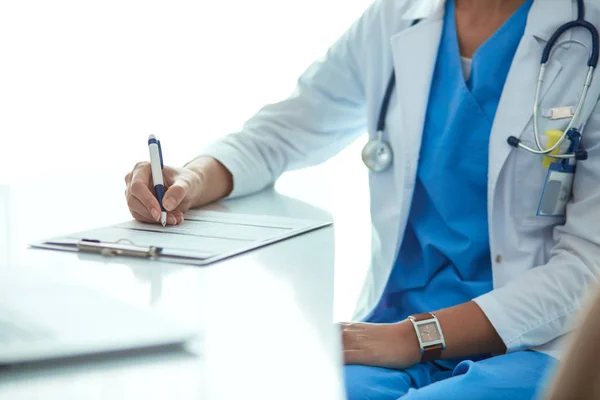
(513, 141)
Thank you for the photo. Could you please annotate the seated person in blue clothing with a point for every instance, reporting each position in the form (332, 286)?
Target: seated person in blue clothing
(471, 293)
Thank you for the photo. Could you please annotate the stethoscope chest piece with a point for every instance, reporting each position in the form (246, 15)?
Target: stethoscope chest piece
(377, 155)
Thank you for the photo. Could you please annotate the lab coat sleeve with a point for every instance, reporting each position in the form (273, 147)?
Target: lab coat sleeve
(325, 113)
(542, 304)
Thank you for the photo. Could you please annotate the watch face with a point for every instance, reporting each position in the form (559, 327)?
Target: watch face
(429, 332)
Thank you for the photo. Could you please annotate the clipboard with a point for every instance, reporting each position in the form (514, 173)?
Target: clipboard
(158, 244)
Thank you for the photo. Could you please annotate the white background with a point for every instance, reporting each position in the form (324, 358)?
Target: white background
(83, 83)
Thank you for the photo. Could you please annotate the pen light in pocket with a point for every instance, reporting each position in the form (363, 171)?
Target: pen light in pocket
(553, 136)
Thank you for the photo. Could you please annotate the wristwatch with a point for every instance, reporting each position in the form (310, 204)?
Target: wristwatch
(429, 333)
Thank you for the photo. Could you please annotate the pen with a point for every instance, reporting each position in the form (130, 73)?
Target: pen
(156, 164)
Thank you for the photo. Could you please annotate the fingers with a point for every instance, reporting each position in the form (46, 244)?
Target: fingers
(175, 218)
(348, 332)
(169, 175)
(347, 337)
(139, 187)
(172, 219)
(174, 196)
(136, 166)
(140, 217)
(352, 352)
(141, 201)
(352, 357)
(181, 185)
(136, 207)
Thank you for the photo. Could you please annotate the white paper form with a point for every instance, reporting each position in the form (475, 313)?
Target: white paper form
(205, 236)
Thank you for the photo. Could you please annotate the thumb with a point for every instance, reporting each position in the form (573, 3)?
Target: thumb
(174, 195)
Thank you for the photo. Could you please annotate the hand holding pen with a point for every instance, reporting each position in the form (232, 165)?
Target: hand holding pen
(200, 182)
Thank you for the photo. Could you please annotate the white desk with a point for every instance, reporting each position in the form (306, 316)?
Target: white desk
(266, 316)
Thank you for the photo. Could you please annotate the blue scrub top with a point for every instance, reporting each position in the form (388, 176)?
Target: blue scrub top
(444, 259)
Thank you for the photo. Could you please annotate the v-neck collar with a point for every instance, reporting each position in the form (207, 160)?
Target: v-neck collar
(520, 12)
(457, 57)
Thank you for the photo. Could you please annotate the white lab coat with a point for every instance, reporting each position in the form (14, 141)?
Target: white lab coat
(541, 266)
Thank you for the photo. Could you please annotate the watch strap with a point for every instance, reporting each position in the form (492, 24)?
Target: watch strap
(430, 353)
(423, 316)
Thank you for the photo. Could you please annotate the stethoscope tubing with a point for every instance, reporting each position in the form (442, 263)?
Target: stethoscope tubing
(546, 54)
(552, 44)
(573, 124)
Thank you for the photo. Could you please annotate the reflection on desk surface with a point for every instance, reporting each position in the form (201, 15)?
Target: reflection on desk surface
(41, 320)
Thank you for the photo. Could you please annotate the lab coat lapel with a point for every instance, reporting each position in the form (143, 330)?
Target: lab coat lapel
(415, 53)
(515, 109)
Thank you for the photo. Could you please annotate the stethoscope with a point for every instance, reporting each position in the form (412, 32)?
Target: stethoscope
(378, 155)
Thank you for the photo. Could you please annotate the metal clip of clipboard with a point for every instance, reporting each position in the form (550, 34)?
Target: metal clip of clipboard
(118, 249)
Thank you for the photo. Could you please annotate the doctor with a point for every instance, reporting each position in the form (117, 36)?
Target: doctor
(473, 284)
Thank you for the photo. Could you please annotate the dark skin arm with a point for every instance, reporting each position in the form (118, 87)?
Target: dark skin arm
(466, 329)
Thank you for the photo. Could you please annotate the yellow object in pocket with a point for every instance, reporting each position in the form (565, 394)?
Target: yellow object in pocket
(553, 136)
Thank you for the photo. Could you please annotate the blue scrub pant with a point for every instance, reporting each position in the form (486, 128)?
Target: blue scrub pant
(518, 375)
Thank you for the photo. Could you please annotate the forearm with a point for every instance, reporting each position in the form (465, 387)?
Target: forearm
(468, 332)
(466, 329)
